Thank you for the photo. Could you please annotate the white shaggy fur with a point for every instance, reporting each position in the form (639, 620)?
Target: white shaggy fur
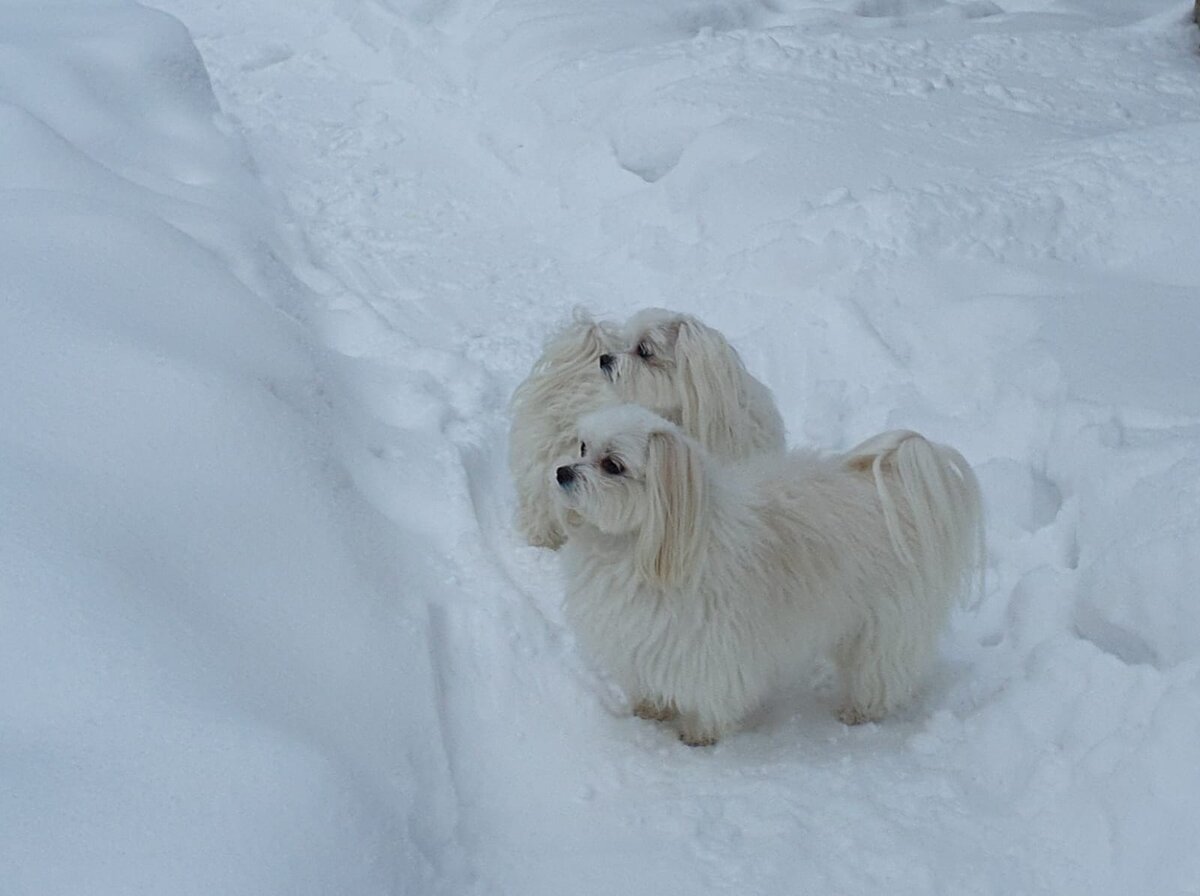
(687, 372)
(564, 383)
(665, 361)
(701, 586)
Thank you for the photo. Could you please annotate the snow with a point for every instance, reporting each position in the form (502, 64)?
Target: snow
(272, 270)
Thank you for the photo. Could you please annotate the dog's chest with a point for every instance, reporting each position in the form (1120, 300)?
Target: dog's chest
(606, 604)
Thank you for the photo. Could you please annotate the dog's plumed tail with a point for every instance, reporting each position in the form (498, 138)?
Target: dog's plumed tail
(933, 508)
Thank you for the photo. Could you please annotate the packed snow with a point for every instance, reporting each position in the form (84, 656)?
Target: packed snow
(270, 272)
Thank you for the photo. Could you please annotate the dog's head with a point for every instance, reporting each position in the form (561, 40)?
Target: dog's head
(578, 345)
(685, 371)
(637, 474)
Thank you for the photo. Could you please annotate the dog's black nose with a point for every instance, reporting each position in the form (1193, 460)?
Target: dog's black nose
(606, 362)
(564, 475)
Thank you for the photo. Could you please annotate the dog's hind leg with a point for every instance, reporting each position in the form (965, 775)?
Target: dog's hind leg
(880, 671)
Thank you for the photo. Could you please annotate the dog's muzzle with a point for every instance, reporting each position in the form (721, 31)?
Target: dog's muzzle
(565, 476)
(606, 364)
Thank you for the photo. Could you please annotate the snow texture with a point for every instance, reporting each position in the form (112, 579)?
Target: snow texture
(270, 272)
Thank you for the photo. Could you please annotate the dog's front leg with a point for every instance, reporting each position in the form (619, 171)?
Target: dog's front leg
(696, 733)
(655, 709)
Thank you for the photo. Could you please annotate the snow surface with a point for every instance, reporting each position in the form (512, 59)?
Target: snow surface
(264, 624)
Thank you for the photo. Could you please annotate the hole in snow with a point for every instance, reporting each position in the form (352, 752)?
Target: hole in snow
(650, 166)
(1129, 647)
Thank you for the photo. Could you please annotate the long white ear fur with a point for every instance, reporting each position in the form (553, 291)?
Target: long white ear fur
(711, 380)
(672, 534)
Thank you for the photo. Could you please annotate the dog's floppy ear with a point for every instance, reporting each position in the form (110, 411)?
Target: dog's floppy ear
(711, 381)
(672, 534)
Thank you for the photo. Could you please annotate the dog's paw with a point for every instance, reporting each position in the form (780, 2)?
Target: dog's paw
(853, 715)
(697, 730)
(539, 528)
(553, 542)
(698, 739)
(544, 538)
(696, 733)
(655, 711)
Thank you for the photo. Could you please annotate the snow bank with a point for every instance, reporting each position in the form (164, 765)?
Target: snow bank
(207, 686)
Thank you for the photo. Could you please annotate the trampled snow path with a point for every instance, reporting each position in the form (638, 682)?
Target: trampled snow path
(974, 221)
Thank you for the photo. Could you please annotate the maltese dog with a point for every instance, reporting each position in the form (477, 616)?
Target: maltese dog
(687, 372)
(701, 585)
(668, 362)
(564, 384)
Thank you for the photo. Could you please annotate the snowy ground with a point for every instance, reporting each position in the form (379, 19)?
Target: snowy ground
(264, 625)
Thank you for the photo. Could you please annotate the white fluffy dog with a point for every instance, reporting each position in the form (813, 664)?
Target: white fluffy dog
(700, 586)
(564, 383)
(687, 372)
(668, 362)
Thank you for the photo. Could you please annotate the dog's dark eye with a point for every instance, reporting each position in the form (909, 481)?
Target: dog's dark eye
(582, 448)
(644, 350)
(611, 466)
